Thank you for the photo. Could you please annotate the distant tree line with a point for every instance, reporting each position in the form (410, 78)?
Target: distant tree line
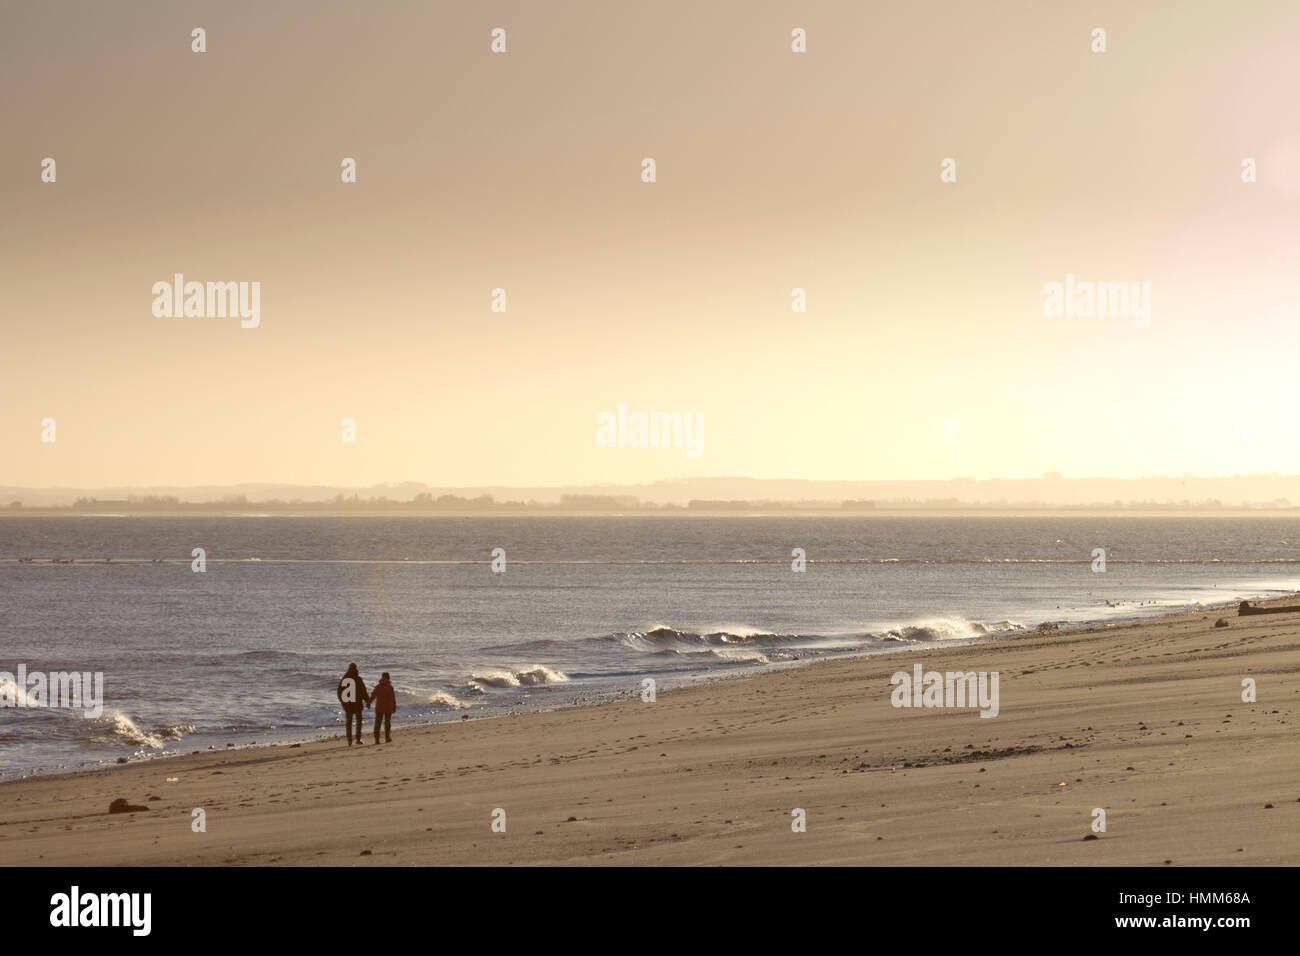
(426, 502)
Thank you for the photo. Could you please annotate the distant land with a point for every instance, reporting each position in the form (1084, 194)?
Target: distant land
(1157, 493)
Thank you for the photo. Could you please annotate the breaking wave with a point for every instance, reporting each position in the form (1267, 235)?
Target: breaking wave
(739, 655)
(10, 691)
(528, 677)
(944, 629)
(440, 698)
(121, 727)
(663, 639)
(73, 723)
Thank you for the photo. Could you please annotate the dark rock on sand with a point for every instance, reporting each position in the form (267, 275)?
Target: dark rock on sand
(121, 806)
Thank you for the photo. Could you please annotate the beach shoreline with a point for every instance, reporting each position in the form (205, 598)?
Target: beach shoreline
(598, 698)
(1145, 721)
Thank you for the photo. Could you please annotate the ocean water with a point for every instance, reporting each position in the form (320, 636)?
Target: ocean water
(251, 649)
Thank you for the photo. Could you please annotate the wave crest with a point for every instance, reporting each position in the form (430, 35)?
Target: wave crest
(944, 629)
(120, 725)
(440, 698)
(529, 676)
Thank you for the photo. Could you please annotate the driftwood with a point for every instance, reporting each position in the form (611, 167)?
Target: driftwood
(1244, 609)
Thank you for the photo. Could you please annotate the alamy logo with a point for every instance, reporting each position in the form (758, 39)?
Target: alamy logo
(67, 689)
(1098, 300)
(103, 909)
(211, 300)
(651, 430)
(950, 689)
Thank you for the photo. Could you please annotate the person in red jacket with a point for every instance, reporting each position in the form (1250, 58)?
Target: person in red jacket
(385, 700)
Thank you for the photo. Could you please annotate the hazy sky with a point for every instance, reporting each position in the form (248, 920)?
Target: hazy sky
(522, 171)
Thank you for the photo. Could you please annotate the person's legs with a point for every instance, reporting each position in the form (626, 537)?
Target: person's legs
(347, 717)
(378, 718)
(388, 728)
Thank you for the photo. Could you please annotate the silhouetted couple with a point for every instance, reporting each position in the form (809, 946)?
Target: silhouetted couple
(352, 695)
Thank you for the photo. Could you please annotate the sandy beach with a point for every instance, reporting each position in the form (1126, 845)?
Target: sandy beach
(1145, 721)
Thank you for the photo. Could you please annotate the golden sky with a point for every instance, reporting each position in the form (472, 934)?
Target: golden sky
(522, 171)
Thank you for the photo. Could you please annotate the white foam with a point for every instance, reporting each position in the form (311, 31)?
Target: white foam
(11, 691)
(537, 674)
(441, 698)
(739, 654)
(937, 629)
(541, 675)
(496, 679)
(124, 726)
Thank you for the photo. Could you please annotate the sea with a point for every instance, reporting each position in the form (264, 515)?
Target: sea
(481, 616)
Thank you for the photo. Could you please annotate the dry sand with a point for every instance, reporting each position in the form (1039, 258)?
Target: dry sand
(1145, 721)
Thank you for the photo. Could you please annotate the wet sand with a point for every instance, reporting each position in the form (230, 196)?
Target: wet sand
(1145, 721)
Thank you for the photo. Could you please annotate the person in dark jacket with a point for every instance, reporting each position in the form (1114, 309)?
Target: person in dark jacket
(353, 697)
(385, 700)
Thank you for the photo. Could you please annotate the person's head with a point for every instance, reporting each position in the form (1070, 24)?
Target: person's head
(352, 669)
(384, 676)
